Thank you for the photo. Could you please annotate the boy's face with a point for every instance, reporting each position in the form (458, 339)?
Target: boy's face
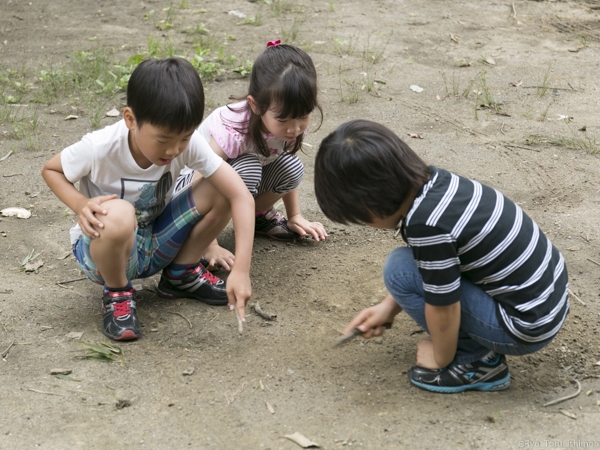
(154, 145)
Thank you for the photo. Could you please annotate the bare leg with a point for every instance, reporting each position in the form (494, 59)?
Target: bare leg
(266, 200)
(110, 251)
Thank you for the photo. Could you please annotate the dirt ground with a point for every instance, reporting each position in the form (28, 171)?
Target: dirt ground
(508, 99)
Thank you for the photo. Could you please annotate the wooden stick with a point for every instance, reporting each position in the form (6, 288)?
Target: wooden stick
(566, 397)
(72, 281)
(179, 314)
(576, 298)
(5, 353)
(595, 262)
(263, 314)
(239, 321)
(514, 11)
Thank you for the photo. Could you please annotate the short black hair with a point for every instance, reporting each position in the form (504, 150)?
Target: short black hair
(166, 93)
(364, 171)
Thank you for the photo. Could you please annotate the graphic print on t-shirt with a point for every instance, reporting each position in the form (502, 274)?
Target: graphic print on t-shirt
(151, 196)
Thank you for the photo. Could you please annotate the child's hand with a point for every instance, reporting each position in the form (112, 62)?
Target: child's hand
(217, 255)
(300, 225)
(239, 290)
(370, 321)
(87, 220)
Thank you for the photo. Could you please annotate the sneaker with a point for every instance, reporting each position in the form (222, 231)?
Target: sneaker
(197, 283)
(272, 224)
(482, 375)
(120, 321)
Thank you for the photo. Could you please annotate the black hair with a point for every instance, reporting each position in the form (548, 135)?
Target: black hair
(364, 171)
(166, 93)
(283, 77)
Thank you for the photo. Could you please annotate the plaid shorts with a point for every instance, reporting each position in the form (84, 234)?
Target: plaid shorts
(156, 245)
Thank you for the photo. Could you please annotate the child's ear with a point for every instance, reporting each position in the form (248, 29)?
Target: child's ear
(252, 103)
(129, 118)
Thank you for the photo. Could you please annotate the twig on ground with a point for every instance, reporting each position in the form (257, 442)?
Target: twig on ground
(179, 314)
(44, 392)
(595, 262)
(261, 313)
(12, 175)
(239, 321)
(518, 146)
(514, 11)
(576, 298)
(71, 281)
(566, 397)
(5, 352)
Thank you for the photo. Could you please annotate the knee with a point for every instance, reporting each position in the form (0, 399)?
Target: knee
(401, 275)
(119, 221)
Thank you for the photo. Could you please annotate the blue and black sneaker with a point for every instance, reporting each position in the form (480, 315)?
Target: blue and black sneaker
(488, 374)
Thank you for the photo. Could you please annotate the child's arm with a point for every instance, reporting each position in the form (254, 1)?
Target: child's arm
(443, 323)
(230, 185)
(299, 224)
(370, 321)
(85, 208)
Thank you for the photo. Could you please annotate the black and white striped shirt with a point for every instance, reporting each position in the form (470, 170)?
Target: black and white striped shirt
(459, 227)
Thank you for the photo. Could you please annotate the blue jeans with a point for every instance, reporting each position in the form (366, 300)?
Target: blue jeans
(480, 330)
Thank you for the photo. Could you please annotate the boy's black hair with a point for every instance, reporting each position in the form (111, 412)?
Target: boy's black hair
(364, 171)
(166, 93)
(283, 77)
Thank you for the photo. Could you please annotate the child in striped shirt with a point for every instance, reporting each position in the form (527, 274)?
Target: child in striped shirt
(478, 274)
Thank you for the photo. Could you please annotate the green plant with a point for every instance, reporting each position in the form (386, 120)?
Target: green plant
(167, 22)
(279, 7)
(587, 143)
(245, 69)
(206, 69)
(289, 34)
(543, 87)
(544, 113)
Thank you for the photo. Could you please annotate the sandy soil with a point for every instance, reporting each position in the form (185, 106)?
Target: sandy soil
(529, 79)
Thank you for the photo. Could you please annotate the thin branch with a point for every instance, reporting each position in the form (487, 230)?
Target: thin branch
(566, 397)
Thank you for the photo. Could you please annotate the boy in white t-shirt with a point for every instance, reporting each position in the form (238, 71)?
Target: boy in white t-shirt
(130, 223)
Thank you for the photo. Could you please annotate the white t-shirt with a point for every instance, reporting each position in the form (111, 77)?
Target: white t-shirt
(103, 165)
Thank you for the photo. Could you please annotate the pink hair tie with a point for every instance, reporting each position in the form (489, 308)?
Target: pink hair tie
(273, 43)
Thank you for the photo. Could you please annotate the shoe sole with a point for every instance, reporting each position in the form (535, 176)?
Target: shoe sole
(498, 385)
(165, 293)
(125, 336)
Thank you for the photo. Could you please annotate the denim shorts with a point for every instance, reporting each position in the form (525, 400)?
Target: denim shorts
(156, 245)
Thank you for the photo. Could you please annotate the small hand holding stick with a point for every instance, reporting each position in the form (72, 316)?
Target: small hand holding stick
(355, 332)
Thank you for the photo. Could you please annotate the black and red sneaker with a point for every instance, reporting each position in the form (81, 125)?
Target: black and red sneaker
(196, 283)
(120, 321)
(273, 225)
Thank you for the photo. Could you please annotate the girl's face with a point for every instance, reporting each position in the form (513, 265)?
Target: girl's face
(284, 129)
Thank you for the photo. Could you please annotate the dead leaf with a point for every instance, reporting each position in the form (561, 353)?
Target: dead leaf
(189, 371)
(75, 335)
(516, 83)
(270, 408)
(301, 440)
(64, 255)
(113, 113)
(453, 38)
(415, 88)
(568, 414)
(415, 135)
(21, 213)
(61, 372)
(464, 63)
(489, 60)
(597, 363)
(71, 117)
(33, 266)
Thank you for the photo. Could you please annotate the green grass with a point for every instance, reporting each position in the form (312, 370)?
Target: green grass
(584, 142)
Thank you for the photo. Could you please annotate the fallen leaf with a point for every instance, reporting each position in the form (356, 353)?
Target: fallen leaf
(270, 408)
(301, 440)
(516, 83)
(33, 266)
(489, 60)
(75, 335)
(568, 414)
(189, 371)
(65, 255)
(415, 135)
(113, 113)
(464, 63)
(21, 213)
(415, 88)
(61, 372)
(597, 363)
(453, 38)
(71, 117)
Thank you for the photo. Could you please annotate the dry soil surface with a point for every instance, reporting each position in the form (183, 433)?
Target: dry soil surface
(508, 99)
